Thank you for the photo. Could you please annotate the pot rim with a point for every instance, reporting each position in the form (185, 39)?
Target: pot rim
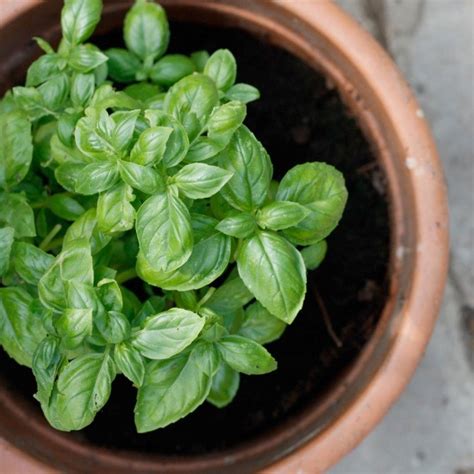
(425, 192)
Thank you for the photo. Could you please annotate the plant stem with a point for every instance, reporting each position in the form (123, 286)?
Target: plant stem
(47, 240)
(55, 243)
(126, 275)
(327, 319)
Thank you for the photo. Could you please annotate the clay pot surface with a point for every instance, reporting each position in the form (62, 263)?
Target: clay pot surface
(325, 37)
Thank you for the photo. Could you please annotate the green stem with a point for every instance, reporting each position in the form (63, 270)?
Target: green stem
(55, 243)
(126, 275)
(47, 240)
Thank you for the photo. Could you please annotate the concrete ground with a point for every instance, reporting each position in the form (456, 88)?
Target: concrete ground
(431, 428)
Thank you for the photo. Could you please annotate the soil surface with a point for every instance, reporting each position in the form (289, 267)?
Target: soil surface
(298, 119)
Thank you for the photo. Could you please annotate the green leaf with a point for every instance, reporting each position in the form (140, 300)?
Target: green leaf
(199, 181)
(146, 30)
(240, 225)
(209, 259)
(93, 135)
(73, 326)
(230, 296)
(244, 93)
(252, 168)
(273, 270)
(47, 362)
(191, 101)
(167, 334)
(55, 92)
(261, 326)
(164, 231)
(113, 326)
(143, 178)
(73, 264)
(65, 132)
(64, 206)
(151, 146)
(20, 330)
(44, 68)
(199, 59)
(153, 305)
(224, 121)
(224, 386)
(110, 294)
(170, 69)
(115, 212)
(246, 356)
(177, 144)
(174, 388)
(84, 386)
(202, 149)
(97, 177)
(124, 128)
(17, 213)
(321, 189)
(6, 243)
(314, 254)
(30, 262)
(16, 149)
(79, 19)
(122, 64)
(130, 362)
(222, 69)
(82, 89)
(144, 92)
(280, 215)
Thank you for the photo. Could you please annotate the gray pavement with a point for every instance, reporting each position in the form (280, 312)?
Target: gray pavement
(431, 428)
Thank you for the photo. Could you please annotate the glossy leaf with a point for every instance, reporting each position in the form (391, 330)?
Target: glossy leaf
(97, 177)
(115, 213)
(314, 254)
(225, 385)
(151, 146)
(244, 93)
(122, 65)
(17, 213)
(273, 270)
(130, 362)
(280, 215)
(171, 68)
(30, 262)
(79, 19)
(222, 69)
(73, 326)
(239, 225)
(6, 242)
(261, 326)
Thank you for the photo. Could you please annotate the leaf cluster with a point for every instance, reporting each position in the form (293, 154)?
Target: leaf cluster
(131, 164)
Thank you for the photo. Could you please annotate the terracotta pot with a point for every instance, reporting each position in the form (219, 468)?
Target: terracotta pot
(370, 84)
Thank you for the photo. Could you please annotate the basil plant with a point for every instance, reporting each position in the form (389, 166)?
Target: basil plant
(130, 172)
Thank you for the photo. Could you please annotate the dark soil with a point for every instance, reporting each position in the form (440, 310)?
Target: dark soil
(298, 119)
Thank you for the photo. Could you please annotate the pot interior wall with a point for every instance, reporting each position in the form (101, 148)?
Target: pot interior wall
(298, 119)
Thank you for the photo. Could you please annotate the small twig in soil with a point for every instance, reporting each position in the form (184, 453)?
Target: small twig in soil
(327, 319)
(367, 167)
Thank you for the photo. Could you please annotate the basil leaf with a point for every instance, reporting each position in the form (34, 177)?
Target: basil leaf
(6, 243)
(93, 136)
(55, 92)
(239, 225)
(224, 386)
(321, 189)
(224, 121)
(170, 69)
(82, 89)
(199, 181)
(65, 206)
(115, 212)
(230, 296)
(209, 259)
(174, 388)
(122, 64)
(167, 334)
(97, 177)
(146, 30)
(143, 178)
(124, 129)
(278, 281)
(113, 326)
(84, 386)
(252, 168)
(30, 262)
(17, 213)
(79, 19)
(177, 144)
(47, 362)
(261, 326)
(151, 146)
(154, 305)
(164, 231)
(281, 214)
(130, 362)
(16, 149)
(246, 356)
(73, 326)
(110, 294)
(244, 93)
(222, 69)
(314, 254)
(191, 101)
(202, 149)
(199, 59)
(73, 264)
(44, 68)
(20, 330)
